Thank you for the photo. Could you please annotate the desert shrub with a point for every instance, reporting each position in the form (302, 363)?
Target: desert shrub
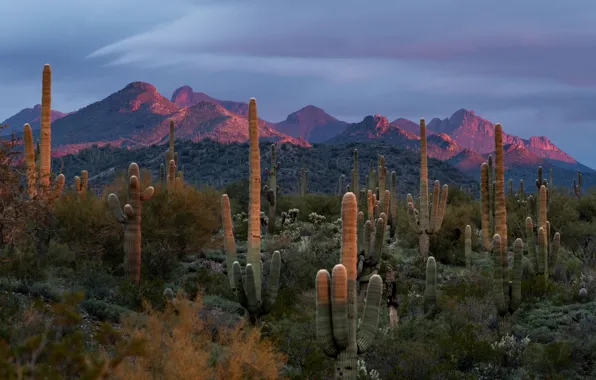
(180, 345)
(51, 344)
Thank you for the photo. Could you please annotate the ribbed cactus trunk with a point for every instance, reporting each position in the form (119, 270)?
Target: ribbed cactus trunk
(229, 242)
(500, 205)
(491, 195)
(430, 291)
(131, 217)
(393, 206)
(271, 190)
(45, 133)
(382, 179)
(253, 256)
(485, 193)
(336, 302)
(30, 161)
(423, 216)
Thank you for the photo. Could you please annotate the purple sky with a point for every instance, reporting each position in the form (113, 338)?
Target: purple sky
(529, 66)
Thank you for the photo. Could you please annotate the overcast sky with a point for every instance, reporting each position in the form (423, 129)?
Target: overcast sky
(529, 65)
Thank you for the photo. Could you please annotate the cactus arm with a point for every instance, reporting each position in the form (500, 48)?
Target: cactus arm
(555, 252)
(147, 194)
(370, 318)
(339, 305)
(413, 218)
(77, 183)
(115, 207)
(273, 281)
(434, 208)
(129, 211)
(324, 326)
(442, 207)
(251, 290)
(229, 242)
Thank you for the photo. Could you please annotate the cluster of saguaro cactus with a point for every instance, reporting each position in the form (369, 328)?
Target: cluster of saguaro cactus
(521, 195)
(81, 183)
(336, 302)
(507, 292)
(247, 286)
(130, 216)
(272, 190)
(39, 173)
(393, 205)
(370, 248)
(430, 217)
(577, 185)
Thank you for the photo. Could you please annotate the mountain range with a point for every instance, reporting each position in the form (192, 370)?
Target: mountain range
(139, 116)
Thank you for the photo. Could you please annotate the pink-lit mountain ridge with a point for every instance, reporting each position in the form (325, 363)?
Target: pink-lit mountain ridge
(138, 115)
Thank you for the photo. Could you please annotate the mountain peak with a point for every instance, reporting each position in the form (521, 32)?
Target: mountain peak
(140, 86)
(381, 124)
(312, 124)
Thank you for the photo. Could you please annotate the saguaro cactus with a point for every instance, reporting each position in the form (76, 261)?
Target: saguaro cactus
(424, 224)
(500, 205)
(577, 185)
(171, 155)
(34, 185)
(486, 205)
(430, 290)
(393, 206)
(256, 303)
(271, 190)
(81, 183)
(507, 292)
(336, 304)
(46, 131)
(130, 216)
(382, 179)
(369, 260)
(253, 255)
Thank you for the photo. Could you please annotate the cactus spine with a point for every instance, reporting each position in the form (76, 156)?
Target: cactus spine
(271, 190)
(336, 304)
(130, 216)
(422, 224)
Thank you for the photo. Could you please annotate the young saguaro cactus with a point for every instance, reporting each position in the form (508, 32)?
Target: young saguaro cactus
(336, 303)
(428, 221)
(244, 286)
(130, 216)
(171, 154)
(369, 259)
(34, 184)
(271, 190)
(430, 290)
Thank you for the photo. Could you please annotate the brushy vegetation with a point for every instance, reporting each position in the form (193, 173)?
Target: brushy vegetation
(67, 309)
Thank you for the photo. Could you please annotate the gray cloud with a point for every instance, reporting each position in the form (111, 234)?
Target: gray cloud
(526, 65)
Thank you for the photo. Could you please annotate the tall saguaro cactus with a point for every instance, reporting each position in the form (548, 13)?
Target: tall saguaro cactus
(500, 204)
(336, 304)
(253, 255)
(271, 190)
(46, 131)
(245, 286)
(427, 222)
(486, 205)
(130, 216)
(34, 185)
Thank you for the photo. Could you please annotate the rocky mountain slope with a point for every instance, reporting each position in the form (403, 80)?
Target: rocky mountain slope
(28, 115)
